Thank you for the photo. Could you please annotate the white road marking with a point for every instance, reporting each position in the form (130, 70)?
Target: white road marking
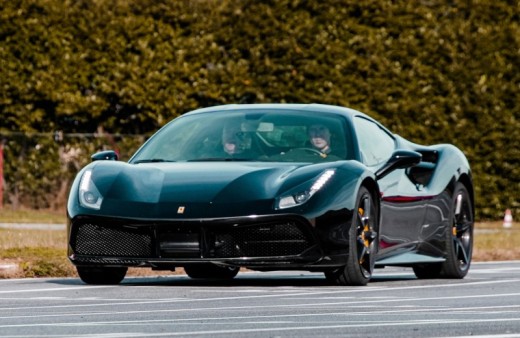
(347, 308)
(350, 305)
(420, 311)
(274, 329)
(514, 335)
(58, 289)
(497, 270)
(296, 294)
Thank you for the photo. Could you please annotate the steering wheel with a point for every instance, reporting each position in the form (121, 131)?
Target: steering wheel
(310, 150)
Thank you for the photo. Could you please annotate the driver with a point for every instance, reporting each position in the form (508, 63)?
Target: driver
(319, 137)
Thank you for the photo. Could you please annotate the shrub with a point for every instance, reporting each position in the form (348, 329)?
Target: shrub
(434, 72)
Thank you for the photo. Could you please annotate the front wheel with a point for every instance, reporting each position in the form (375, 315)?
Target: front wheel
(101, 275)
(363, 244)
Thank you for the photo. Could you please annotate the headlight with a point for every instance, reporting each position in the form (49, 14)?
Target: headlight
(304, 195)
(89, 196)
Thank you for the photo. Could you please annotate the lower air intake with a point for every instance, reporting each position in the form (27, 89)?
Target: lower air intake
(269, 240)
(96, 240)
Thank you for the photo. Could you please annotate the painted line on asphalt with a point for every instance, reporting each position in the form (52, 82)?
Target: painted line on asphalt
(500, 309)
(356, 290)
(80, 287)
(230, 308)
(506, 269)
(258, 330)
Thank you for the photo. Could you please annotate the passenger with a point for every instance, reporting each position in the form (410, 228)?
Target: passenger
(235, 141)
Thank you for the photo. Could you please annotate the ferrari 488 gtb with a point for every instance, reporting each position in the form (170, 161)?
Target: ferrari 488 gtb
(274, 187)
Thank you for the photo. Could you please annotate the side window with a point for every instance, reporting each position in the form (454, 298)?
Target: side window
(375, 144)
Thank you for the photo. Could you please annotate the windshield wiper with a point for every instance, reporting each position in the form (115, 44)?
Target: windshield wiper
(152, 160)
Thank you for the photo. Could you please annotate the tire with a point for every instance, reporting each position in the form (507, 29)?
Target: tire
(458, 240)
(363, 244)
(101, 275)
(211, 271)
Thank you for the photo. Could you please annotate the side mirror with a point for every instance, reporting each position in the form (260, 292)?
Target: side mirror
(400, 159)
(108, 155)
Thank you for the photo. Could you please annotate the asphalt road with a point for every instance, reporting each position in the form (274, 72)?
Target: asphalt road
(395, 304)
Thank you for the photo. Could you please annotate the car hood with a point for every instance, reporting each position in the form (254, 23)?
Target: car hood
(196, 189)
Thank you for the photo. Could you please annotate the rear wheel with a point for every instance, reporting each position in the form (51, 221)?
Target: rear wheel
(363, 244)
(211, 271)
(459, 247)
(101, 275)
(458, 240)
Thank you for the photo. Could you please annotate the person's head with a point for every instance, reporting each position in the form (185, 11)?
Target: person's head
(234, 140)
(319, 136)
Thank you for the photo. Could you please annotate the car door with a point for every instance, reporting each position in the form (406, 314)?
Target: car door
(402, 213)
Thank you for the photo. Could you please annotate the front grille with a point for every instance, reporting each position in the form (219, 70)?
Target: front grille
(123, 241)
(106, 240)
(266, 240)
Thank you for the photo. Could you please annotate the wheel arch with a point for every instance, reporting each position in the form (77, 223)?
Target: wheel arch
(466, 180)
(373, 188)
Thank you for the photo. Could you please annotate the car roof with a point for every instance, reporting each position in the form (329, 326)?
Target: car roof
(313, 107)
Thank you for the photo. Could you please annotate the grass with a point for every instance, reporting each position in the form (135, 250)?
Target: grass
(493, 242)
(43, 253)
(34, 253)
(8, 215)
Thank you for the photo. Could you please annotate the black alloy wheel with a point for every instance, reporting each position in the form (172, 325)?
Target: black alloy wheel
(458, 240)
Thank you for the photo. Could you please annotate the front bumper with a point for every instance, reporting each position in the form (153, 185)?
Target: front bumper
(266, 242)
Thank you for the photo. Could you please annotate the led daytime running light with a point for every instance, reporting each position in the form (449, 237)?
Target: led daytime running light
(321, 181)
(303, 196)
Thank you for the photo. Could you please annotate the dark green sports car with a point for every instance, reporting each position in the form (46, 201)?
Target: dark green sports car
(274, 187)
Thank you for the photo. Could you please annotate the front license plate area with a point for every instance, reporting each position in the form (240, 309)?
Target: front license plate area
(179, 242)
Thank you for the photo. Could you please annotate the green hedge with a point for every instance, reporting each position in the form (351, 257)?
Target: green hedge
(433, 71)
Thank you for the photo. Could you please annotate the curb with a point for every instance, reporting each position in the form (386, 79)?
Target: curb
(33, 226)
(10, 266)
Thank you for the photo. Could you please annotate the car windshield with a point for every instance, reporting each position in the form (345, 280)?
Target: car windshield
(259, 135)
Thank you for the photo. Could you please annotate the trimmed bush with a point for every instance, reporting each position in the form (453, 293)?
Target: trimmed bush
(433, 71)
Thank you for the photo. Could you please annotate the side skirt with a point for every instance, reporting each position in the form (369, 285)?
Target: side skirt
(407, 259)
